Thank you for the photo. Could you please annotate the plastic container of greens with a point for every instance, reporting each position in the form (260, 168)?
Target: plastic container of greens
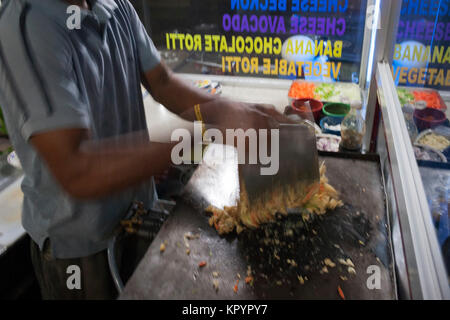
(336, 110)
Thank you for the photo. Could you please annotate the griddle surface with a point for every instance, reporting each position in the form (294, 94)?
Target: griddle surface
(358, 231)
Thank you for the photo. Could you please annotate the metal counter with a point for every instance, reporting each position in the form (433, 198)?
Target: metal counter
(359, 231)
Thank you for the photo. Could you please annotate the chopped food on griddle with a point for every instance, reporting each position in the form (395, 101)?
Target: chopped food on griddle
(202, 264)
(313, 199)
(347, 262)
(329, 263)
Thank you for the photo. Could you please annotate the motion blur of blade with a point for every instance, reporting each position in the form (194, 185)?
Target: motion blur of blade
(298, 165)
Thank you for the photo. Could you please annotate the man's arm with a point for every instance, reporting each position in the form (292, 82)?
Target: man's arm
(180, 97)
(171, 91)
(89, 170)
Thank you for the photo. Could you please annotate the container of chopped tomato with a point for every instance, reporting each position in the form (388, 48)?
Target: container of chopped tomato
(302, 90)
(307, 108)
(429, 118)
(432, 98)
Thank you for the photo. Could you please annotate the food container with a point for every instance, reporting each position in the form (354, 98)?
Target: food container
(326, 122)
(336, 110)
(446, 153)
(300, 107)
(419, 140)
(429, 118)
(328, 142)
(431, 98)
(427, 153)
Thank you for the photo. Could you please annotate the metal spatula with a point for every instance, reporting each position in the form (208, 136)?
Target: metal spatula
(298, 162)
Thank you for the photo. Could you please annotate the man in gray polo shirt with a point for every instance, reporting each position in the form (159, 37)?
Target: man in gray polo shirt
(74, 111)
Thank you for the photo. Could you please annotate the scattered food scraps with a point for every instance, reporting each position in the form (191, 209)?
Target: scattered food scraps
(215, 274)
(162, 247)
(314, 199)
(191, 236)
(351, 270)
(202, 264)
(329, 263)
(235, 289)
(347, 262)
(341, 293)
(301, 280)
(216, 284)
(249, 280)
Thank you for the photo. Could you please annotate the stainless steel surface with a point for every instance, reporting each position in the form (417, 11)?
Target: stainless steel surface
(298, 161)
(426, 272)
(174, 274)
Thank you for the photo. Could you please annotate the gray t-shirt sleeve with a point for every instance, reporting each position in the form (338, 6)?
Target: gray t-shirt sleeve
(48, 81)
(149, 56)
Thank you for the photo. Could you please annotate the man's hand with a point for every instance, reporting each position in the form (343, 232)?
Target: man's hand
(227, 114)
(180, 97)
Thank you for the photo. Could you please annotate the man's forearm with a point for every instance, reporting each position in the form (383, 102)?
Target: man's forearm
(101, 173)
(89, 169)
(173, 92)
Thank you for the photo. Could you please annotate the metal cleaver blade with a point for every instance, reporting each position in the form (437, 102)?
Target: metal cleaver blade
(298, 161)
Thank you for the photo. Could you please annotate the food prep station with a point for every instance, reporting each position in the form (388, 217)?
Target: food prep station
(365, 181)
(365, 230)
(393, 216)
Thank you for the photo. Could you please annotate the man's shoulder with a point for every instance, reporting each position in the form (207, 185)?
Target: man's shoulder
(18, 18)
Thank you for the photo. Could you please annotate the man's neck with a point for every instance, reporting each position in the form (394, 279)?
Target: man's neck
(81, 3)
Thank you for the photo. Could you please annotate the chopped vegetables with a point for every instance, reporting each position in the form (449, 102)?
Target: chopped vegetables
(162, 247)
(432, 99)
(202, 264)
(326, 142)
(303, 90)
(428, 154)
(348, 262)
(326, 91)
(313, 199)
(405, 96)
(329, 263)
(434, 141)
(216, 284)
